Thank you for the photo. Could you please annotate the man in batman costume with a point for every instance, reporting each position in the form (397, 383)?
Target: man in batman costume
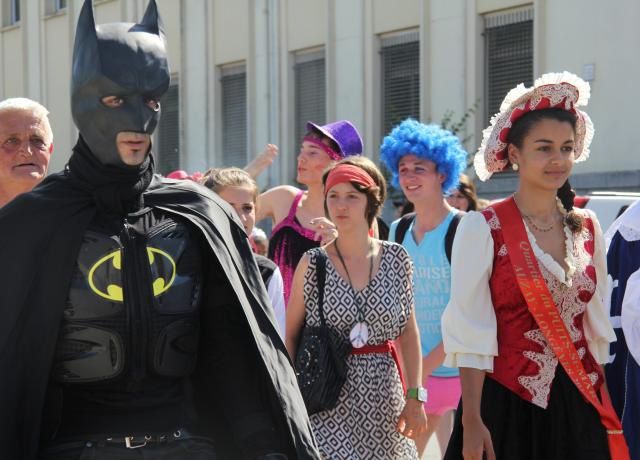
(134, 321)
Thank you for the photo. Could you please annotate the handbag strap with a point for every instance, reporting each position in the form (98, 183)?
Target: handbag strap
(321, 271)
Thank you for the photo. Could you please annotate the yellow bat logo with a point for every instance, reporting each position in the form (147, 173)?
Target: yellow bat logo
(114, 292)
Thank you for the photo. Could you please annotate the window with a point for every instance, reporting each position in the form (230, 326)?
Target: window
(10, 12)
(509, 55)
(310, 93)
(234, 116)
(400, 79)
(168, 149)
(55, 6)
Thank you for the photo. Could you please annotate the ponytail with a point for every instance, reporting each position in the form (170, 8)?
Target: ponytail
(572, 218)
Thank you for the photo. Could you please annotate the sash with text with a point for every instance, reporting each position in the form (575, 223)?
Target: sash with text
(542, 307)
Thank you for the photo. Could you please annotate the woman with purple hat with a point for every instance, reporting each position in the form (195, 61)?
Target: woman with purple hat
(298, 215)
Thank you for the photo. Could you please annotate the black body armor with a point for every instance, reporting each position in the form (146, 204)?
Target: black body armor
(131, 322)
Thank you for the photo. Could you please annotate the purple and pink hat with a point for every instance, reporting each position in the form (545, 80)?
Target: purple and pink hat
(343, 133)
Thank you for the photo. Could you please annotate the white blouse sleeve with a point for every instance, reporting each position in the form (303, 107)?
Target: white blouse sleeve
(469, 328)
(276, 294)
(597, 327)
(631, 315)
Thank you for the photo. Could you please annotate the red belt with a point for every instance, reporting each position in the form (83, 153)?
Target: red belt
(385, 347)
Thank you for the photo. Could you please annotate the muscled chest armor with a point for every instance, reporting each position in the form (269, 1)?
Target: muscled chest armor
(133, 306)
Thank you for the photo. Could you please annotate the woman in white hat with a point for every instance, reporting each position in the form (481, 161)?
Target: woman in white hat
(526, 323)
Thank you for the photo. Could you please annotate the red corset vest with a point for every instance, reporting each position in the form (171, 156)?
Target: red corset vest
(525, 363)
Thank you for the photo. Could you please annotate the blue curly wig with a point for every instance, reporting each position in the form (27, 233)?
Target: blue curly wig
(429, 142)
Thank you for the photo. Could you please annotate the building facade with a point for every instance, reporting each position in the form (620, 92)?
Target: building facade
(251, 72)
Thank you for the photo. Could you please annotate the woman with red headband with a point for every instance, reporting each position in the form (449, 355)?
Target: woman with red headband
(297, 215)
(525, 322)
(368, 300)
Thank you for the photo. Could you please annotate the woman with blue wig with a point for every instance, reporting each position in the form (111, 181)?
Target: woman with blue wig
(426, 162)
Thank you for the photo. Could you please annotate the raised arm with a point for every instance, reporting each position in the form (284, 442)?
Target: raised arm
(262, 161)
(275, 203)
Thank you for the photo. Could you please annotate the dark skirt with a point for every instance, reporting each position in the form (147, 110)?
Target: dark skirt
(569, 429)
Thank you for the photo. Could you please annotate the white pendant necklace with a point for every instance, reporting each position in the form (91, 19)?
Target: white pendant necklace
(360, 331)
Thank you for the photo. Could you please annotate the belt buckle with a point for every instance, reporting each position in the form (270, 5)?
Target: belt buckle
(131, 443)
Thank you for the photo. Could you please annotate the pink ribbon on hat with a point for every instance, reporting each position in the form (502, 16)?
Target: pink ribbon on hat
(335, 156)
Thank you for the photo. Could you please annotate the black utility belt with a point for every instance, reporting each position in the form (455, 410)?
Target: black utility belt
(133, 441)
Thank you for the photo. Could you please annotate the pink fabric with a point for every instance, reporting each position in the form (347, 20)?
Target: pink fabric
(335, 156)
(443, 394)
(278, 253)
(290, 220)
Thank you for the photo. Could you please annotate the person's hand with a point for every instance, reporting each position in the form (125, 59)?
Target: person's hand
(413, 420)
(326, 230)
(476, 439)
(262, 161)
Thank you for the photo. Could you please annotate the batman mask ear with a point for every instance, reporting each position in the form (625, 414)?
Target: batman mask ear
(152, 21)
(86, 56)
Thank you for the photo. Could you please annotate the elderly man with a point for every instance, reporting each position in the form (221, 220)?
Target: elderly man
(26, 141)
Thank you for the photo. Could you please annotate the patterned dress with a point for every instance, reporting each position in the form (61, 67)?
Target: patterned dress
(362, 426)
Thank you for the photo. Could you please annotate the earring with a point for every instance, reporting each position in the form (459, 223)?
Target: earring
(514, 166)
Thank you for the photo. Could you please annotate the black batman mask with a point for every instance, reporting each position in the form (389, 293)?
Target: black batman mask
(125, 60)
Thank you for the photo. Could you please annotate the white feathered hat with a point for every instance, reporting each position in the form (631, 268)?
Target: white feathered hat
(553, 90)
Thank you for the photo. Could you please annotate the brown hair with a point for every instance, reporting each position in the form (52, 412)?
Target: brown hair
(375, 195)
(467, 188)
(218, 178)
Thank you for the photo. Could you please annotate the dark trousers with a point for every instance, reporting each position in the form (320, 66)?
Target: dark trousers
(191, 449)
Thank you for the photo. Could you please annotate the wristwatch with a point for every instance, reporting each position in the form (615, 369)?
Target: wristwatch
(418, 393)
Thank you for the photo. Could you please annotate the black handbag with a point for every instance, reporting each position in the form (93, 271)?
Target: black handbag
(321, 359)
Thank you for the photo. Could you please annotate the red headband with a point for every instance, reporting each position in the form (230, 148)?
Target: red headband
(335, 156)
(348, 173)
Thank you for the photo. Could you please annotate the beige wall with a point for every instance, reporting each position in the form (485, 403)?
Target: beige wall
(57, 66)
(108, 11)
(231, 30)
(613, 103)
(171, 14)
(395, 15)
(219, 32)
(306, 24)
(13, 63)
(488, 6)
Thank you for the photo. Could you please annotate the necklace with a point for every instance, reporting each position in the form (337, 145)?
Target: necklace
(533, 224)
(530, 220)
(360, 331)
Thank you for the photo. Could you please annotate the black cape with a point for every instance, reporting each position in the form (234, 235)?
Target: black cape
(40, 236)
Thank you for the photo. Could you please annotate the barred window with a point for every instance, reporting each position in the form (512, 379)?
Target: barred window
(234, 115)
(509, 54)
(168, 150)
(400, 79)
(10, 12)
(310, 92)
